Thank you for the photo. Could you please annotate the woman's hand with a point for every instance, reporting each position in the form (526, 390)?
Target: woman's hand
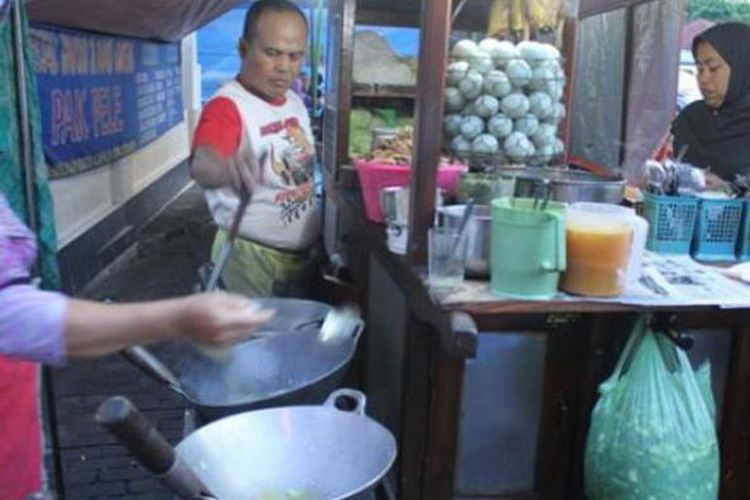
(219, 318)
(714, 182)
(214, 319)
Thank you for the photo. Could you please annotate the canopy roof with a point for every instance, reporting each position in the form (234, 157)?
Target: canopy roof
(635, 110)
(167, 20)
(171, 20)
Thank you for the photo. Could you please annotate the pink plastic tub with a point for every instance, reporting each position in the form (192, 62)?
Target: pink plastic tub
(375, 176)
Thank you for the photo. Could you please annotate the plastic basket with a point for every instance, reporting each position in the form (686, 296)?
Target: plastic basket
(375, 176)
(717, 229)
(743, 245)
(671, 222)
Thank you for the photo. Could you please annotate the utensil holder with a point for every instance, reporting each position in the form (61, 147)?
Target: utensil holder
(671, 222)
(717, 230)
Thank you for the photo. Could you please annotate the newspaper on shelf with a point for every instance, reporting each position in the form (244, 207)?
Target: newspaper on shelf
(680, 280)
(666, 280)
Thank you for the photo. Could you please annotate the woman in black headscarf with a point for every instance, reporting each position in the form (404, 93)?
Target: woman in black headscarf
(716, 130)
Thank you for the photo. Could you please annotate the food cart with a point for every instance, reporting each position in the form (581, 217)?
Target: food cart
(491, 398)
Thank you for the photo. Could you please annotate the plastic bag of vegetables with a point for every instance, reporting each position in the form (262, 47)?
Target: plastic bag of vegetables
(652, 433)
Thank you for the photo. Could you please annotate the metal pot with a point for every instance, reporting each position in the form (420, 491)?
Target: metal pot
(568, 186)
(295, 366)
(394, 204)
(311, 452)
(477, 233)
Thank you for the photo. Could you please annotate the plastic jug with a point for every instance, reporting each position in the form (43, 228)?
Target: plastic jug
(599, 242)
(640, 234)
(527, 251)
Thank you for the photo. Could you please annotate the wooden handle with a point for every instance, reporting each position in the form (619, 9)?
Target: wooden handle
(123, 420)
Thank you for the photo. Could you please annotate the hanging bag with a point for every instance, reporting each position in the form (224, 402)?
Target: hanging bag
(652, 433)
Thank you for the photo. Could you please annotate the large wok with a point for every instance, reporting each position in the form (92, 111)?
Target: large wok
(298, 452)
(289, 364)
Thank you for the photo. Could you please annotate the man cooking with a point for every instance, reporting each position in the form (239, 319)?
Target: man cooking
(254, 138)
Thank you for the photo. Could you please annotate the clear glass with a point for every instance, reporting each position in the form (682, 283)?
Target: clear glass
(447, 257)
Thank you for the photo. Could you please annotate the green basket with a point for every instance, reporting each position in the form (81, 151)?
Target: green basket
(717, 230)
(671, 222)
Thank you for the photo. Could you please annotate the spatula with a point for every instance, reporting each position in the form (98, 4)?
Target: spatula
(222, 354)
(339, 323)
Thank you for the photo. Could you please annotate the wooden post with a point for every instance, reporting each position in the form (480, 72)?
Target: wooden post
(734, 439)
(339, 102)
(428, 133)
(570, 53)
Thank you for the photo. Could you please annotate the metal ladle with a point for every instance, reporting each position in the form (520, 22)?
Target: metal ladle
(339, 323)
(546, 185)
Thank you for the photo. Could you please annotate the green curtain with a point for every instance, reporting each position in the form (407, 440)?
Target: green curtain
(11, 168)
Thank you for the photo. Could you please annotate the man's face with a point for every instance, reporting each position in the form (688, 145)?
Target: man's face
(713, 75)
(271, 60)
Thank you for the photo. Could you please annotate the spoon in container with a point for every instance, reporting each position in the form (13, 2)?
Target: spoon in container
(468, 209)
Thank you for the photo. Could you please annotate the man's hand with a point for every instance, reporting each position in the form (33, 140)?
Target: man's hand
(211, 170)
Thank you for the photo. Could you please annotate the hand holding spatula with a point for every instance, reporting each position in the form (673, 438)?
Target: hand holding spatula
(242, 179)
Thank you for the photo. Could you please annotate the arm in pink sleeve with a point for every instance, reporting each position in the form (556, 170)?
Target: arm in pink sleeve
(32, 324)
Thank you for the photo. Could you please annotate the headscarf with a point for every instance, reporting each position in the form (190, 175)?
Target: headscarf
(720, 138)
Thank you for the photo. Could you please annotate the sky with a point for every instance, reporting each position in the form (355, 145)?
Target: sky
(217, 46)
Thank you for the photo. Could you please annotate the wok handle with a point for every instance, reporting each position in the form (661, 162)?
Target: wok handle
(359, 327)
(134, 431)
(123, 420)
(142, 359)
(357, 398)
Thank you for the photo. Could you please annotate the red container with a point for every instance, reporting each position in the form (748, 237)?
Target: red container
(374, 176)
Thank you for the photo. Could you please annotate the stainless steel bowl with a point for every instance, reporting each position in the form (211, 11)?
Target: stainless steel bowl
(394, 204)
(568, 186)
(477, 234)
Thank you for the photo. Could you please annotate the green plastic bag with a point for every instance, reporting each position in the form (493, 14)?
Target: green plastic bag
(652, 434)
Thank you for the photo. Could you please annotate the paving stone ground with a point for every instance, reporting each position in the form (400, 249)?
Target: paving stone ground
(161, 264)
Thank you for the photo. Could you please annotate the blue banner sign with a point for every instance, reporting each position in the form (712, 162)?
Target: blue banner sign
(102, 97)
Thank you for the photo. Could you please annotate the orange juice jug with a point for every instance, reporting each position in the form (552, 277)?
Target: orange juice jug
(598, 250)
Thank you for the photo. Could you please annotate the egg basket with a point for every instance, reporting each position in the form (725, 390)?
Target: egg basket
(494, 162)
(502, 109)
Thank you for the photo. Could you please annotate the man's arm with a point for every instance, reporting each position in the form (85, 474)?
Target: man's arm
(216, 140)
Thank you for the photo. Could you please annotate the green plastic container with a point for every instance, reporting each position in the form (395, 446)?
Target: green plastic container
(527, 251)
